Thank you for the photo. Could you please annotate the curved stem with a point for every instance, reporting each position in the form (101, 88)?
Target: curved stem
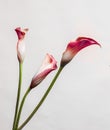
(42, 99)
(18, 94)
(20, 109)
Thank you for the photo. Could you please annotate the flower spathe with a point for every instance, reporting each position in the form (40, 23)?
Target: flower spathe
(21, 44)
(49, 64)
(74, 47)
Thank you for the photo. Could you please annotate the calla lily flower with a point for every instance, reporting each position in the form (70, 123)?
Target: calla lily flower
(74, 47)
(49, 64)
(21, 44)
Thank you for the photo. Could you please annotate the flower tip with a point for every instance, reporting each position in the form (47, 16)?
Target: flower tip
(21, 32)
(52, 60)
(26, 29)
(90, 40)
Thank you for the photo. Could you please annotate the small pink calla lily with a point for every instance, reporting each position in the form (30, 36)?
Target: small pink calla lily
(21, 44)
(49, 64)
(74, 47)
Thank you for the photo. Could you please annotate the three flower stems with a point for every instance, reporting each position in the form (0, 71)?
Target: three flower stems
(18, 111)
(49, 64)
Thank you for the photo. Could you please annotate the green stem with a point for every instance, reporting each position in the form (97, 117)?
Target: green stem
(21, 106)
(42, 99)
(18, 94)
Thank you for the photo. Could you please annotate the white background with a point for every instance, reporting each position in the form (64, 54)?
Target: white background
(80, 99)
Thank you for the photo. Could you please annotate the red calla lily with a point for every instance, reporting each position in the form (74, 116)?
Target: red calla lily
(49, 64)
(74, 47)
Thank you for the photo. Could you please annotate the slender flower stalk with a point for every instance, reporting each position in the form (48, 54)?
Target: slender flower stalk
(42, 99)
(20, 109)
(20, 54)
(18, 94)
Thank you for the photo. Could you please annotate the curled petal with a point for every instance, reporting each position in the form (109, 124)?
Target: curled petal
(21, 44)
(49, 64)
(21, 32)
(74, 47)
